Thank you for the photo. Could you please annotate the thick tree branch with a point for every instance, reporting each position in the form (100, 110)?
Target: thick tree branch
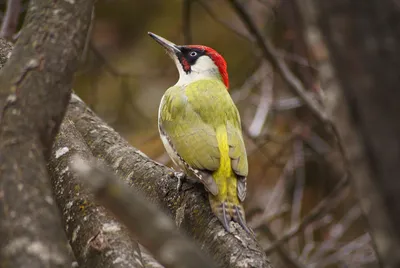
(152, 227)
(34, 92)
(189, 208)
(96, 238)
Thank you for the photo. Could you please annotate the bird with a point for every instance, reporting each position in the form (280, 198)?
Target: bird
(200, 128)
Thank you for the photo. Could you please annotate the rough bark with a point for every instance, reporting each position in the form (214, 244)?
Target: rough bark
(363, 40)
(189, 208)
(5, 51)
(153, 228)
(34, 92)
(96, 238)
(149, 260)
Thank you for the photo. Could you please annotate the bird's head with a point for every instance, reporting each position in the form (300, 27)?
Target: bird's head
(195, 62)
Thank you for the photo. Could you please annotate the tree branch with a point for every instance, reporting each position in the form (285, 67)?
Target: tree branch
(270, 54)
(187, 21)
(34, 92)
(96, 238)
(325, 205)
(152, 227)
(189, 208)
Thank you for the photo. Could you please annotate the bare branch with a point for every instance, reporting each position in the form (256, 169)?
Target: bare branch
(96, 238)
(278, 214)
(361, 244)
(111, 69)
(152, 227)
(240, 94)
(243, 34)
(276, 197)
(300, 179)
(336, 232)
(274, 203)
(309, 235)
(317, 212)
(283, 252)
(186, 21)
(264, 106)
(10, 22)
(270, 54)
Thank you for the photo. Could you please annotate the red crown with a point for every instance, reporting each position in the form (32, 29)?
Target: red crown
(218, 60)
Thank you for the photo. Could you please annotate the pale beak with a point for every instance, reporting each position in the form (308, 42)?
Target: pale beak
(169, 46)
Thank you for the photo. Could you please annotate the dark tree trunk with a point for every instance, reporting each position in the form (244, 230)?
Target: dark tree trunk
(35, 87)
(363, 38)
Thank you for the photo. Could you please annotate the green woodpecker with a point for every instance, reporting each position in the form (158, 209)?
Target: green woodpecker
(200, 128)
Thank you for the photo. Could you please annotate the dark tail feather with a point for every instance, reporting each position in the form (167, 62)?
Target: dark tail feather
(225, 219)
(227, 212)
(241, 220)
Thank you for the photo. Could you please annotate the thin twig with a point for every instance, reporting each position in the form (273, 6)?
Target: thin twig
(309, 235)
(261, 115)
(186, 21)
(245, 35)
(10, 22)
(267, 3)
(251, 82)
(270, 158)
(283, 252)
(285, 208)
(108, 66)
(270, 54)
(275, 157)
(317, 212)
(337, 231)
(85, 52)
(295, 59)
(275, 199)
(361, 243)
(273, 205)
(316, 143)
(300, 176)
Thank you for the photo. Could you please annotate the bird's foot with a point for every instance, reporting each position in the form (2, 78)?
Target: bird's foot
(180, 176)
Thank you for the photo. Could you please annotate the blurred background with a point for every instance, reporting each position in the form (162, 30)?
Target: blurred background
(299, 205)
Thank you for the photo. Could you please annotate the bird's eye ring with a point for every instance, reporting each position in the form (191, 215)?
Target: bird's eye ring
(193, 54)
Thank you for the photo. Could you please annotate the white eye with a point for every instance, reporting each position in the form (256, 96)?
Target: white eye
(193, 54)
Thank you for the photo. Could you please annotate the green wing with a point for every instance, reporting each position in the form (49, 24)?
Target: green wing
(190, 116)
(192, 139)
